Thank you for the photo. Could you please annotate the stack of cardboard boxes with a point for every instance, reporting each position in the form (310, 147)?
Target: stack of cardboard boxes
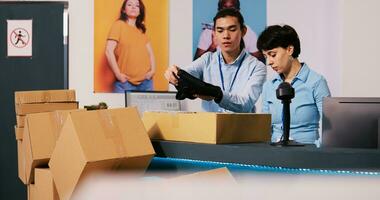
(59, 148)
(29, 102)
(35, 136)
(59, 145)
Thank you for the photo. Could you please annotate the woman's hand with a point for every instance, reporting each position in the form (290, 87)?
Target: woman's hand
(122, 77)
(171, 75)
(149, 75)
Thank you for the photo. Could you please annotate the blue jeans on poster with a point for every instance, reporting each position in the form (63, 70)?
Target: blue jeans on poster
(146, 85)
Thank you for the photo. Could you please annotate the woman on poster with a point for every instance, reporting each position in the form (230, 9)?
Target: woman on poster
(128, 50)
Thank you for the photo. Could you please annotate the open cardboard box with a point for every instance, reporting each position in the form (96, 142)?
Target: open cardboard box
(41, 132)
(97, 141)
(207, 127)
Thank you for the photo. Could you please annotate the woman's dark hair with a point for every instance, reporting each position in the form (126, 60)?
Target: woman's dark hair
(221, 4)
(279, 36)
(140, 19)
(232, 12)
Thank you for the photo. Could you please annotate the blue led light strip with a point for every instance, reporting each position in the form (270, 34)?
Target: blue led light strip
(265, 168)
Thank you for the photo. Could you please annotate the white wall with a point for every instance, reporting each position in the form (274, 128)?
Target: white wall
(180, 42)
(361, 42)
(318, 26)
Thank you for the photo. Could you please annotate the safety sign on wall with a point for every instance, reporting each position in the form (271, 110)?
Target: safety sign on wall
(19, 38)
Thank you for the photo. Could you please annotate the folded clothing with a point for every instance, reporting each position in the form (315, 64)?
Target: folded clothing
(189, 86)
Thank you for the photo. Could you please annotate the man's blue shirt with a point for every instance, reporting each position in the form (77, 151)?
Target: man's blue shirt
(241, 81)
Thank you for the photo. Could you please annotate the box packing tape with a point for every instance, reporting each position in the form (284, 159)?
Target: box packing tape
(112, 130)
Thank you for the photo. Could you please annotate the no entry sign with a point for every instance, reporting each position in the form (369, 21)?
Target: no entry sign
(19, 38)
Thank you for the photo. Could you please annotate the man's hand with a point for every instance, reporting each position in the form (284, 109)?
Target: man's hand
(206, 98)
(171, 75)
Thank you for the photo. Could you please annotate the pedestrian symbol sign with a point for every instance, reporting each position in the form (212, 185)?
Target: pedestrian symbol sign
(19, 38)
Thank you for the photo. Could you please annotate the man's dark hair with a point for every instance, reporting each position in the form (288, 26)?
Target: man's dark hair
(232, 12)
(221, 4)
(279, 36)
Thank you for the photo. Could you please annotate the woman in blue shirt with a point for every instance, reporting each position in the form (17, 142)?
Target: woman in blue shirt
(281, 47)
(239, 75)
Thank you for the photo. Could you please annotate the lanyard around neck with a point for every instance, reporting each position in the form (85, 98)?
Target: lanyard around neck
(221, 72)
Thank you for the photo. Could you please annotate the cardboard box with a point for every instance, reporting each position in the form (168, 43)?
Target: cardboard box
(31, 191)
(43, 188)
(23, 109)
(19, 133)
(99, 140)
(44, 96)
(59, 117)
(21, 161)
(39, 138)
(219, 174)
(20, 119)
(207, 127)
